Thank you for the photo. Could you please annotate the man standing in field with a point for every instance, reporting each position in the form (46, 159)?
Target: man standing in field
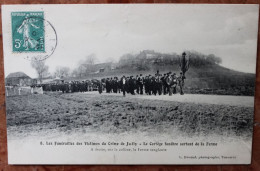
(158, 81)
(107, 86)
(149, 85)
(100, 87)
(181, 82)
(141, 83)
(123, 83)
(137, 78)
(164, 78)
(169, 82)
(131, 85)
(174, 83)
(146, 85)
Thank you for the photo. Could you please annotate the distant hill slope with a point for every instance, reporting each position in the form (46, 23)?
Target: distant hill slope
(216, 79)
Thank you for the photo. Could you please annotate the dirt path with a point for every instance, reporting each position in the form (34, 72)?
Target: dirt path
(247, 101)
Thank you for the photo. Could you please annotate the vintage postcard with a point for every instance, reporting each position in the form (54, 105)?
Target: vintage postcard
(130, 83)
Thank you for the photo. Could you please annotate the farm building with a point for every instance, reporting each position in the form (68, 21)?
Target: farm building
(18, 79)
(102, 67)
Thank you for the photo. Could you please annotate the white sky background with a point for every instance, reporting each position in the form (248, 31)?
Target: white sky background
(109, 31)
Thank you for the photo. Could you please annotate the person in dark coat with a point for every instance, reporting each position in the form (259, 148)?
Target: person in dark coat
(115, 85)
(62, 87)
(141, 84)
(131, 85)
(127, 85)
(146, 85)
(82, 86)
(164, 83)
(100, 87)
(86, 85)
(153, 85)
(107, 86)
(66, 87)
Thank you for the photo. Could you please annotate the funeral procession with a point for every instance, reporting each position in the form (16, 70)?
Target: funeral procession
(150, 84)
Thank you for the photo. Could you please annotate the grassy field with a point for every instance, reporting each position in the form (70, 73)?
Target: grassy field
(65, 113)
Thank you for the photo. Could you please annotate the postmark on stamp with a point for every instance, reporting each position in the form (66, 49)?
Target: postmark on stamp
(28, 32)
(33, 37)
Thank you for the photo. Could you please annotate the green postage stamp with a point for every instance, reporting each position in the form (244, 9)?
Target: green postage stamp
(28, 32)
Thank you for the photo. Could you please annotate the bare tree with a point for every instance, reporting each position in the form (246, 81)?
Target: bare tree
(81, 71)
(41, 69)
(85, 66)
(62, 71)
(91, 59)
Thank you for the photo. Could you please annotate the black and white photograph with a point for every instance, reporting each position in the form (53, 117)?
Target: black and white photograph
(130, 83)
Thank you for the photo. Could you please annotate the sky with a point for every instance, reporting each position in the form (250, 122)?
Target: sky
(109, 31)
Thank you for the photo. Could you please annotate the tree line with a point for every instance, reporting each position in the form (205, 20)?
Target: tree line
(146, 58)
(84, 66)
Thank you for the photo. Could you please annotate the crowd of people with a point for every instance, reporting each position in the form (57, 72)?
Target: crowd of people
(156, 84)
(71, 86)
